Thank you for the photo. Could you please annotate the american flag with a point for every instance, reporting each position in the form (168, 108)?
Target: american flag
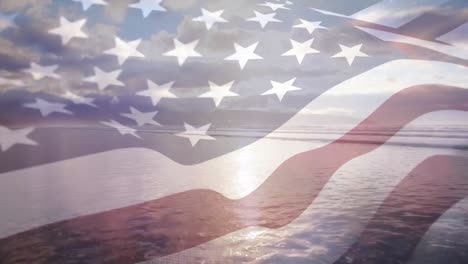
(123, 123)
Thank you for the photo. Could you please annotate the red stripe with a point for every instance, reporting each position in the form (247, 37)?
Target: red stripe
(410, 210)
(184, 220)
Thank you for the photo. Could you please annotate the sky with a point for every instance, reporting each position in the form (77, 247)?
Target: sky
(25, 38)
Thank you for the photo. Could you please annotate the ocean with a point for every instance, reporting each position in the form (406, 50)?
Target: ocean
(349, 200)
(321, 234)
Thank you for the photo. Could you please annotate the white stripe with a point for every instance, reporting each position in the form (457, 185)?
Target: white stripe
(394, 14)
(337, 216)
(100, 182)
(391, 13)
(329, 13)
(454, 51)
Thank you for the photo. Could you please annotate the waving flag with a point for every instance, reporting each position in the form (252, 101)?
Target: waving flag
(142, 130)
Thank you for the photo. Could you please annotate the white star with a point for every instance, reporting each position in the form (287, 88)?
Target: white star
(218, 92)
(104, 79)
(9, 137)
(183, 51)
(210, 18)
(88, 3)
(76, 99)
(123, 130)
(148, 6)
(350, 53)
(243, 55)
(39, 72)
(274, 6)
(7, 21)
(300, 50)
(142, 118)
(196, 134)
(123, 50)
(263, 19)
(157, 92)
(280, 89)
(68, 30)
(47, 108)
(309, 26)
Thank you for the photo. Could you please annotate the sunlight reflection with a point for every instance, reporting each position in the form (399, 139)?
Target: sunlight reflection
(245, 164)
(254, 234)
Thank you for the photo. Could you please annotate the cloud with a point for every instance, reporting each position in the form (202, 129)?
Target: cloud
(180, 5)
(117, 10)
(19, 5)
(11, 57)
(31, 42)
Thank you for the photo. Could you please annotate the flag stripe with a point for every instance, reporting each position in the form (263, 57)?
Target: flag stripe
(410, 19)
(338, 214)
(457, 52)
(457, 37)
(71, 184)
(337, 6)
(442, 244)
(435, 181)
(396, 13)
(75, 183)
(128, 234)
(437, 22)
